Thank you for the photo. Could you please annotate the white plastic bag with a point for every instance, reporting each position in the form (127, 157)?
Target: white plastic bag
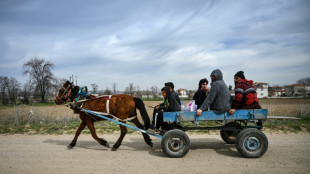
(191, 106)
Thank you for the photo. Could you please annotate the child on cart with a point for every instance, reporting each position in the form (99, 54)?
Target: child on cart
(170, 105)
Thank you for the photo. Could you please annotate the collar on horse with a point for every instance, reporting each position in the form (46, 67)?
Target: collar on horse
(83, 93)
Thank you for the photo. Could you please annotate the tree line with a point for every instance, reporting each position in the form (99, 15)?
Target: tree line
(41, 83)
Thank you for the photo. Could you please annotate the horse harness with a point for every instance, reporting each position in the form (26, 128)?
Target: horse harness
(108, 97)
(65, 95)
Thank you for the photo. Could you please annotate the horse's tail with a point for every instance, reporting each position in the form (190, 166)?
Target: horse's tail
(140, 105)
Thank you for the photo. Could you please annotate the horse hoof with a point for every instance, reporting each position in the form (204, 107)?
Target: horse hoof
(113, 149)
(70, 147)
(104, 143)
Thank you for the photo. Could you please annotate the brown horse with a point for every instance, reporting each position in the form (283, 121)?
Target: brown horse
(122, 106)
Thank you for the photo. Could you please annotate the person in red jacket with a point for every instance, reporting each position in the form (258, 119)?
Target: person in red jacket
(245, 93)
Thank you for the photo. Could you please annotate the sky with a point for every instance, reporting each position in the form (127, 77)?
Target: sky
(148, 43)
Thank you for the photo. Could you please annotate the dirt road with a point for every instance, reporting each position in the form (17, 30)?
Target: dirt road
(287, 153)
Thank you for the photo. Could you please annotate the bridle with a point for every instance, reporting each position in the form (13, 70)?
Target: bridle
(65, 96)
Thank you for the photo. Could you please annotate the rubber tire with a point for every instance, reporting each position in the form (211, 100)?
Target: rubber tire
(182, 141)
(257, 136)
(227, 135)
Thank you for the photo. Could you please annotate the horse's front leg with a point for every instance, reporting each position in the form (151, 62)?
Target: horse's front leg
(91, 127)
(77, 133)
(121, 137)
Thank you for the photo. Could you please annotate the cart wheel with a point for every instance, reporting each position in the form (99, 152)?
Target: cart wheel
(229, 136)
(175, 143)
(251, 143)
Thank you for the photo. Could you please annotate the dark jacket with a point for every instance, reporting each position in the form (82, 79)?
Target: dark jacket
(218, 98)
(172, 104)
(200, 97)
(245, 95)
(176, 96)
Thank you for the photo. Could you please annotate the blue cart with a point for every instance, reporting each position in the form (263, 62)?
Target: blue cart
(250, 141)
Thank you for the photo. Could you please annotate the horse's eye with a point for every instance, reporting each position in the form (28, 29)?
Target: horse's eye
(61, 91)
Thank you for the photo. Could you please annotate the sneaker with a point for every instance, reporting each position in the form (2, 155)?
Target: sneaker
(162, 132)
(154, 131)
(152, 126)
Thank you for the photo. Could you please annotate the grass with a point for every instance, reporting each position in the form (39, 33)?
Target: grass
(48, 118)
(289, 125)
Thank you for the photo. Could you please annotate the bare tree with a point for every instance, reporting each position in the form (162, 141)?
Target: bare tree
(107, 92)
(130, 90)
(147, 93)
(138, 92)
(3, 82)
(114, 88)
(9, 88)
(13, 88)
(40, 74)
(302, 91)
(26, 93)
(154, 91)
(304, 81)
(58, 83)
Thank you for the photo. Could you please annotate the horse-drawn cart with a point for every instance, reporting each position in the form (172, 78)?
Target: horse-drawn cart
(250, 141)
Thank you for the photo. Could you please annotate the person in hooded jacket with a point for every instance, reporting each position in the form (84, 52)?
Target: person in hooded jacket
(245, 93)
(201, 93)
(172, 91)
(170, 105)
(218, 98)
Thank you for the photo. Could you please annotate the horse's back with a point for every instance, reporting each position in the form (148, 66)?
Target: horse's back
(122, 104)
(115, 104)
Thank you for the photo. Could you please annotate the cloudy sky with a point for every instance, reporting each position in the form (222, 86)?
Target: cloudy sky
(152, 42)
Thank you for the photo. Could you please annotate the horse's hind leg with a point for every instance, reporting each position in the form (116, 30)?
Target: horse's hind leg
(91, 127)
(121, 137)
(77, 133)
(146, 137)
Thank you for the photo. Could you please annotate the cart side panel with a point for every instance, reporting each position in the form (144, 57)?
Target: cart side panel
(240, 115)
(243, 114)
(260, 114)
(210, 115)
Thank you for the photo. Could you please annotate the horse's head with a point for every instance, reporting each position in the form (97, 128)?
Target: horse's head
(64, 93)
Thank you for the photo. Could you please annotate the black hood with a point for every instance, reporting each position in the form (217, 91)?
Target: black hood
(167, 89)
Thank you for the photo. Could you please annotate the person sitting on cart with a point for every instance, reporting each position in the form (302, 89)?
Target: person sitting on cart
(170, 85)
(170, 105)
(218, 98)
(172, 91)
(201, 93)
(245, 93)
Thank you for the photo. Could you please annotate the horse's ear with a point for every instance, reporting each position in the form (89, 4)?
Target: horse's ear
(67, 83)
